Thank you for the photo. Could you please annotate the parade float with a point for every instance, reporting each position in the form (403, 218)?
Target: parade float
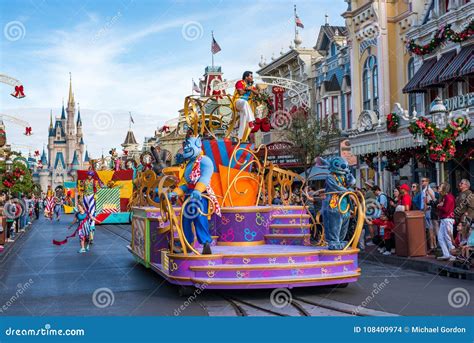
(222, 194)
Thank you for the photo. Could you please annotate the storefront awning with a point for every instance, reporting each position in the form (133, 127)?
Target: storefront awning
(454, 68)
(389, 144)
(432, 77)
(468, 68)
(413, 85)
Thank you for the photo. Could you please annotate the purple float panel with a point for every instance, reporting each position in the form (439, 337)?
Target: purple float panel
(242, 226)
(158, 240)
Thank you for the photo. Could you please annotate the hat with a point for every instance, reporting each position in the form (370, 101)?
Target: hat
(405, 187)
(370, 183)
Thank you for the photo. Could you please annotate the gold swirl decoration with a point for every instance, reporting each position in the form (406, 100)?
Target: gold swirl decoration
(283, 179)
(254, 161)
(207, 115)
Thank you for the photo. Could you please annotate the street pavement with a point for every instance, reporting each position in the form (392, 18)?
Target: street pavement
(108, 281)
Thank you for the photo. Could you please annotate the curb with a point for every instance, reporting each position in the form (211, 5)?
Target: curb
(419, 265)
(8, 248)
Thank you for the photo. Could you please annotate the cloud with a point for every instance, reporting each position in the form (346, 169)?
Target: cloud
(121, 64)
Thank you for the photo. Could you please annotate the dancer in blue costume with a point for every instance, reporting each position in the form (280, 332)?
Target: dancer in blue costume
(196, 180)
(338, 181)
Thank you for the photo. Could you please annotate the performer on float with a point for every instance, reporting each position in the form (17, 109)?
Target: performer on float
(49, 204)
(338, 182)
(196, 180)
(244, 90)
(90, 187)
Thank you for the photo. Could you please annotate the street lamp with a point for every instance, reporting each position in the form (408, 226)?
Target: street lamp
(9, 164)
(439, 117)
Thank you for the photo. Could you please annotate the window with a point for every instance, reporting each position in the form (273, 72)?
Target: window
(471, 84)
(333, 51)
(320, 110)
(335, 105)
(370, 85)
(326, 107)
(349, 110)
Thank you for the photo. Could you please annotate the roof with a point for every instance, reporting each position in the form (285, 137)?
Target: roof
(63, 113)
(86, 157)
(327, 33)
(129, 139)
(59, 159)
(60, 125)
(75, 161)
(82, 141)
(44, 160)
(79, 121)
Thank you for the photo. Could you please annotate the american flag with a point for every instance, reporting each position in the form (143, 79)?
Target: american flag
(298, 21)
(215, 48)
(196, 88)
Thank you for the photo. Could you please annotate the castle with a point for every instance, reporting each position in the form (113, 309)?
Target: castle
(66, 149)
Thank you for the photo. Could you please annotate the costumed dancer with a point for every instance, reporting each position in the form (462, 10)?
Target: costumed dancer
(49, 204)
(90, 187)
(83, 230)
(57, 207)
(336, 223)
(244, 90)
(196, 180)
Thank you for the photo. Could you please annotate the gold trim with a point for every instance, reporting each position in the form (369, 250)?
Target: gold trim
(289, 226)
(284, 207)
(273, 266)
(194, 257)
(284, 216)
(246, 209)
(260, 281)
(241, 244)
(296, 253)
(287, 236)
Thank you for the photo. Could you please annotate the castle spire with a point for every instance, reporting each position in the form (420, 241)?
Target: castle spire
(71, 94)
(79, 120)
(51, 119)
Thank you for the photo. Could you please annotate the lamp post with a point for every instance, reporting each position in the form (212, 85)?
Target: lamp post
(9, 165)
(439, 117)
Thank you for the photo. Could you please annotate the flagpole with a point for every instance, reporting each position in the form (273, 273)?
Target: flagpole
(296, 27)
(212, 34)
(130, 121)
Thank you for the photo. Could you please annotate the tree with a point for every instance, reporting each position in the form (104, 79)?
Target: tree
(20, 176)
(311, 137)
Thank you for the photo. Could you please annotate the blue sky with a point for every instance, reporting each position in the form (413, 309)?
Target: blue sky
(131, 55)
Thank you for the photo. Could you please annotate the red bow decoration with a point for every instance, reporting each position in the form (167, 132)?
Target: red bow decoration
(18, 93)
(165, 129)
(217, 94)
(125, 152)
(28, 131)
(263, 125)
(37, 153)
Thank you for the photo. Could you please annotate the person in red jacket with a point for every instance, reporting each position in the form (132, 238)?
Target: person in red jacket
(446, 216)
(385, 226)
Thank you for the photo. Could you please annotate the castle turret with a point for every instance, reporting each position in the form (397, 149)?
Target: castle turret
(71, 138)
(130, 144)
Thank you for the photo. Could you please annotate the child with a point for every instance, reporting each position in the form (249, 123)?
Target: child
(386, 231)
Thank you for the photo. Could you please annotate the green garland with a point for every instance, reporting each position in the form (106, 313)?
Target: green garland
(441, 35)
(441, 145)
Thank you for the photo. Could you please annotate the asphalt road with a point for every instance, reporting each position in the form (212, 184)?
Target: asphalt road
(59, 281)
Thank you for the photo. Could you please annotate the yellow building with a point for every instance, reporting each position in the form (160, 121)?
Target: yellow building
(376, 38)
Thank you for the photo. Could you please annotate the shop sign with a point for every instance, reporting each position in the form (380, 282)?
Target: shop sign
(459, 102)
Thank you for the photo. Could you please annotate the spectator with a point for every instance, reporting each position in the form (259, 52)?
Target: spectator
(464, 210)
(277, 199)
(369, 194)
(427, 199)
(404, 201)
(395, 198)
(385, 237)
(468, 245)
(446, 215)
(416, 197)
(434, 211)
(381, 197)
